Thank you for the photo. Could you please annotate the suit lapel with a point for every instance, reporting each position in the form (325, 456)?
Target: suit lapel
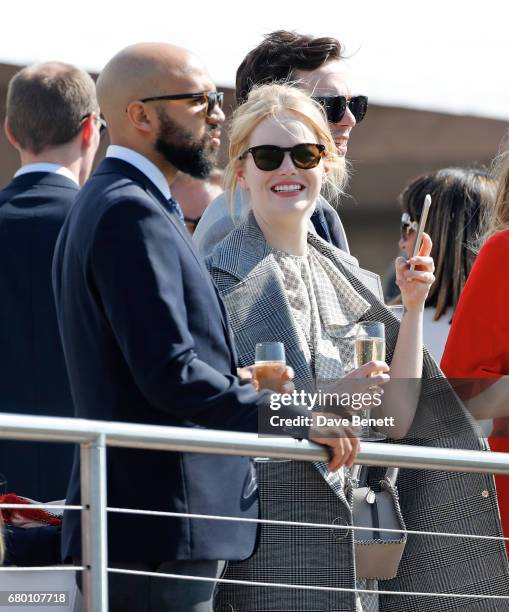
(182, 230)
(118, 166)
(257, 305)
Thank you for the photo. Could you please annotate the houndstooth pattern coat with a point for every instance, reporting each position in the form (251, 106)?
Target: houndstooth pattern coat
(249, 282)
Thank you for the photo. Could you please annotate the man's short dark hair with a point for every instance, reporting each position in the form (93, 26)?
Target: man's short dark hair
(46, 104)
(279, 55)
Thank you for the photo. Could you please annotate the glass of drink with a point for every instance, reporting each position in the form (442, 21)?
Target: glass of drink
(369, 346)
(269, 359)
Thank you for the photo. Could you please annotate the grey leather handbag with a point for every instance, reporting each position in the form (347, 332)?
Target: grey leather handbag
(377, 553)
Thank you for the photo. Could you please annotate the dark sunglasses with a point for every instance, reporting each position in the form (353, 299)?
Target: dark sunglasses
(100, 121)
(210, 98)
(270, 157)
(407, 225)
(335, 107)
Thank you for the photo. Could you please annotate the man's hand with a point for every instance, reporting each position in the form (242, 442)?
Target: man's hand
(246, 376)
(342, 445)
(341, 442)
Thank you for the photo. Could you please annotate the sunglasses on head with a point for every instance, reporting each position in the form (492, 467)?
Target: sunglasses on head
(210, 98)
(270, 157)
(407, 225)
(100, 121)
(335, 107)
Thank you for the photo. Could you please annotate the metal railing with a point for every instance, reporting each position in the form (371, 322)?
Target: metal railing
(95, 436)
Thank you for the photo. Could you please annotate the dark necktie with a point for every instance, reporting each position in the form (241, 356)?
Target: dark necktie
(174, 207)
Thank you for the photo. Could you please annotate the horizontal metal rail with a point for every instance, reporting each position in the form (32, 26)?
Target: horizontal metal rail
(183, 439)
(95, 436)
(39, 507)
(42, 568)
(354, 528)
(305, 587)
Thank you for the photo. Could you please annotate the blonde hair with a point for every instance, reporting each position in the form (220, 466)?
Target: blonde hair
(271, 101)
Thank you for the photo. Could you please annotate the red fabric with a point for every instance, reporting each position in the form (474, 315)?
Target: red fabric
(35, 515)
(478, 342)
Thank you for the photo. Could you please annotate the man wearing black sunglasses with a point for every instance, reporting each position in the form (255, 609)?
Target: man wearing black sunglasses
(313, 64)
(317, 66)
(146, 338)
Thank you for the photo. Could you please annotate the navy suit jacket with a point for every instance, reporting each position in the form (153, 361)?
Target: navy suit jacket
(33, 377)
(146, 340)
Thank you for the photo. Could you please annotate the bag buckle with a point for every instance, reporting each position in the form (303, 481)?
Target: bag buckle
(370, 497)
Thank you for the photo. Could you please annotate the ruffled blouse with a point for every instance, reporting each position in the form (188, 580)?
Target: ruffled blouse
(325, 308)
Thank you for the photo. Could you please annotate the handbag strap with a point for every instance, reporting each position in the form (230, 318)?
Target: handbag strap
(390, 477)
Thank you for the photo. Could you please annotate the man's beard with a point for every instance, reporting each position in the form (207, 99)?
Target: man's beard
(183, 150)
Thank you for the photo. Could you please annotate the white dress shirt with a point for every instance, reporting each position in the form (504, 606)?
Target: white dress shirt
(46, 167)
(144, 165)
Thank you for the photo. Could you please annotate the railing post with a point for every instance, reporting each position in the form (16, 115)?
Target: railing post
(94, 525)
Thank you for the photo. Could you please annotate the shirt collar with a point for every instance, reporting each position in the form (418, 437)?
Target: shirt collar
(47, 167)
(144, 165)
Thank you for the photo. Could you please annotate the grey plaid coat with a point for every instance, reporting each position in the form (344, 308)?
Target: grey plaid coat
(249, 282)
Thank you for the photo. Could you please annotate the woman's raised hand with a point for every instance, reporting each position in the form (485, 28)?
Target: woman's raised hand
(415, 283)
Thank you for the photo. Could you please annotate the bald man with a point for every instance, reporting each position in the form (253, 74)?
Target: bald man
(146, 338)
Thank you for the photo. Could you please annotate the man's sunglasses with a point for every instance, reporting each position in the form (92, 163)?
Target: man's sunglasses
(407, 226)
(270, 157)
(210, 98)
(100, 121)
(335, 107)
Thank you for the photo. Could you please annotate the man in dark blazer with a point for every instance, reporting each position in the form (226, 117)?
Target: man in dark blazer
(52, 121)
(146, 338)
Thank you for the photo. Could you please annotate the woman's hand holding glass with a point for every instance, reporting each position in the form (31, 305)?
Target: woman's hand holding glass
(414, 276)
(342, 442)
(365, 378)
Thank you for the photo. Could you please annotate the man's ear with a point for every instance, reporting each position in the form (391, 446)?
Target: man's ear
(10, 137)
(138, 116)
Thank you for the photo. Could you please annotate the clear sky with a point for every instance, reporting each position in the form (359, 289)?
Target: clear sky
(448, 55)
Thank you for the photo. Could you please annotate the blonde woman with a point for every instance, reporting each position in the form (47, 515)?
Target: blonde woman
(280, 282)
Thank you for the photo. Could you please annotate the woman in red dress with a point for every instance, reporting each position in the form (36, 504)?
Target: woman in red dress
(478, 342)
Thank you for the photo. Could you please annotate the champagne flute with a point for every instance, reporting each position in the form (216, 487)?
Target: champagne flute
(269, 359)
(369, 346)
